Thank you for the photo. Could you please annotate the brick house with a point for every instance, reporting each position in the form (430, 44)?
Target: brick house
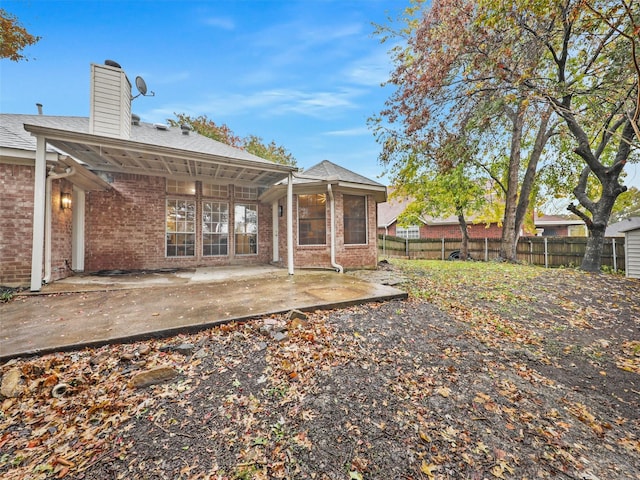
(110, 192)
(431, 227)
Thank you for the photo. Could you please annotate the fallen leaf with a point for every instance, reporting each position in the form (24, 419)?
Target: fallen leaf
(428, 469)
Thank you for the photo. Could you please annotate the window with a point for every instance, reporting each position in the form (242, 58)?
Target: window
(181, 187)
(181, 228)
(410, 232)
(246, 229)
(213, 190)
(312, 219)
(246, 193)
(355, 219)
(215, 228)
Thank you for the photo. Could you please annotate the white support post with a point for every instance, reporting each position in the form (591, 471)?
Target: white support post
(290, 224)
(486, 249)
(546, 254)
(442, 248)
(615, 258)
(37, 245)
(77, 239)
(275, 214)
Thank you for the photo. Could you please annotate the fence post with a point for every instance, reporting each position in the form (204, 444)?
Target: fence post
(615, 260)
(546, 254)
(406, 248)
(486, 249)
(442, 248)
(530, 252)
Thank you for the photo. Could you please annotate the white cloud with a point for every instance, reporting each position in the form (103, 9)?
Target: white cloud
(349, 132)
(277, 102)
(372, 70)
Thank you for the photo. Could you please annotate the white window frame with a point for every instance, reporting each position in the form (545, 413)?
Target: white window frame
(366, 219)
(178, 230)
(412, 232)
(245, 226)
(223, 228)
(325, 219)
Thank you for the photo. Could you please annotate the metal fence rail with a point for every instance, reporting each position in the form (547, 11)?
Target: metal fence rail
(544, 251)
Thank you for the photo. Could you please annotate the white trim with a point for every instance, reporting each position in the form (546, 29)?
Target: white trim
(274, 239)
(290, 224)
(77, 230)
(37, 246)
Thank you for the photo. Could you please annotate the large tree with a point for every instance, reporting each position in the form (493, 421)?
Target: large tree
(590, 74)
(14, 38)
(579, 58)
(222, 133)
(451, 73)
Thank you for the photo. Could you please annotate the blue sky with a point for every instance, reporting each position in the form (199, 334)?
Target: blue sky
(306, 74)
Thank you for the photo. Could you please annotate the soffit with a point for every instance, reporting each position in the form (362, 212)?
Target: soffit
(124, 156)
(83, 178)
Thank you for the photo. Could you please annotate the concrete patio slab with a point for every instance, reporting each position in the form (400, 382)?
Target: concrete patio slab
(84, 311)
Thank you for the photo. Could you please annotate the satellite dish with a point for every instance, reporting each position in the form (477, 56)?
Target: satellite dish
(141, 85)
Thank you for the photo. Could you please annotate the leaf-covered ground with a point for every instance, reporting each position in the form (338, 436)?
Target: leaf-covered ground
(487, 371)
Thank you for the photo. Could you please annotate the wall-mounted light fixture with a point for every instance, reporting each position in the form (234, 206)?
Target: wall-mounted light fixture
(280, 210)
(65, 201)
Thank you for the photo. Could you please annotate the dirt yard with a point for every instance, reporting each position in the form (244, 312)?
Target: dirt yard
(487, 371)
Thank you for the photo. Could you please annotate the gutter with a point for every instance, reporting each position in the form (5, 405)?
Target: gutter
(69, 171)
(335, 265)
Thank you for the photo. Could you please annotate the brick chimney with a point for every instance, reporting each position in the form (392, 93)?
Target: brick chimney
(110, 112)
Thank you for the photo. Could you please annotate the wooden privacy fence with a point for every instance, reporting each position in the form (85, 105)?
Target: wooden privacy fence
(544, 251)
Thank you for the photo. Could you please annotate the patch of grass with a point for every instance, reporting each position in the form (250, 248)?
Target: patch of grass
(480, 281)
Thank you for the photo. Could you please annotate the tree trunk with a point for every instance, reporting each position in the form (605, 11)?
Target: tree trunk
(464, 245)
(542, 137)
(509, 240)
(593, 252)
(611, 189)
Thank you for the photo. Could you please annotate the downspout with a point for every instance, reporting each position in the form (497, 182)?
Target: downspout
(332, 203)
(47, 229)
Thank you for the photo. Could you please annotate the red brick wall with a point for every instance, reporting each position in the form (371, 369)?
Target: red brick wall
(16, 224)
(452, 231)
(319, 256)
(61, 229)
(125, 228)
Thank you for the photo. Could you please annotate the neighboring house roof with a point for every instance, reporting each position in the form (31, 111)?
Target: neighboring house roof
(555, 220)
(618, 229)
(151, 149)
(389, 212)
(324, 173)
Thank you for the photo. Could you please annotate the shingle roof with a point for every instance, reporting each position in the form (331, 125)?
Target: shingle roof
(618, 229)
(13, 135)
(327, 170)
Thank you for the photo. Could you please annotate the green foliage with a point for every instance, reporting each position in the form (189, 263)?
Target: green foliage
(6, 294)
(271, 151)
(223, 133)
(208, 128)
(627, 205)
(14, 37)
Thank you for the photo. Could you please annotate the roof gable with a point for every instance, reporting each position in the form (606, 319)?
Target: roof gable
(327, 170)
